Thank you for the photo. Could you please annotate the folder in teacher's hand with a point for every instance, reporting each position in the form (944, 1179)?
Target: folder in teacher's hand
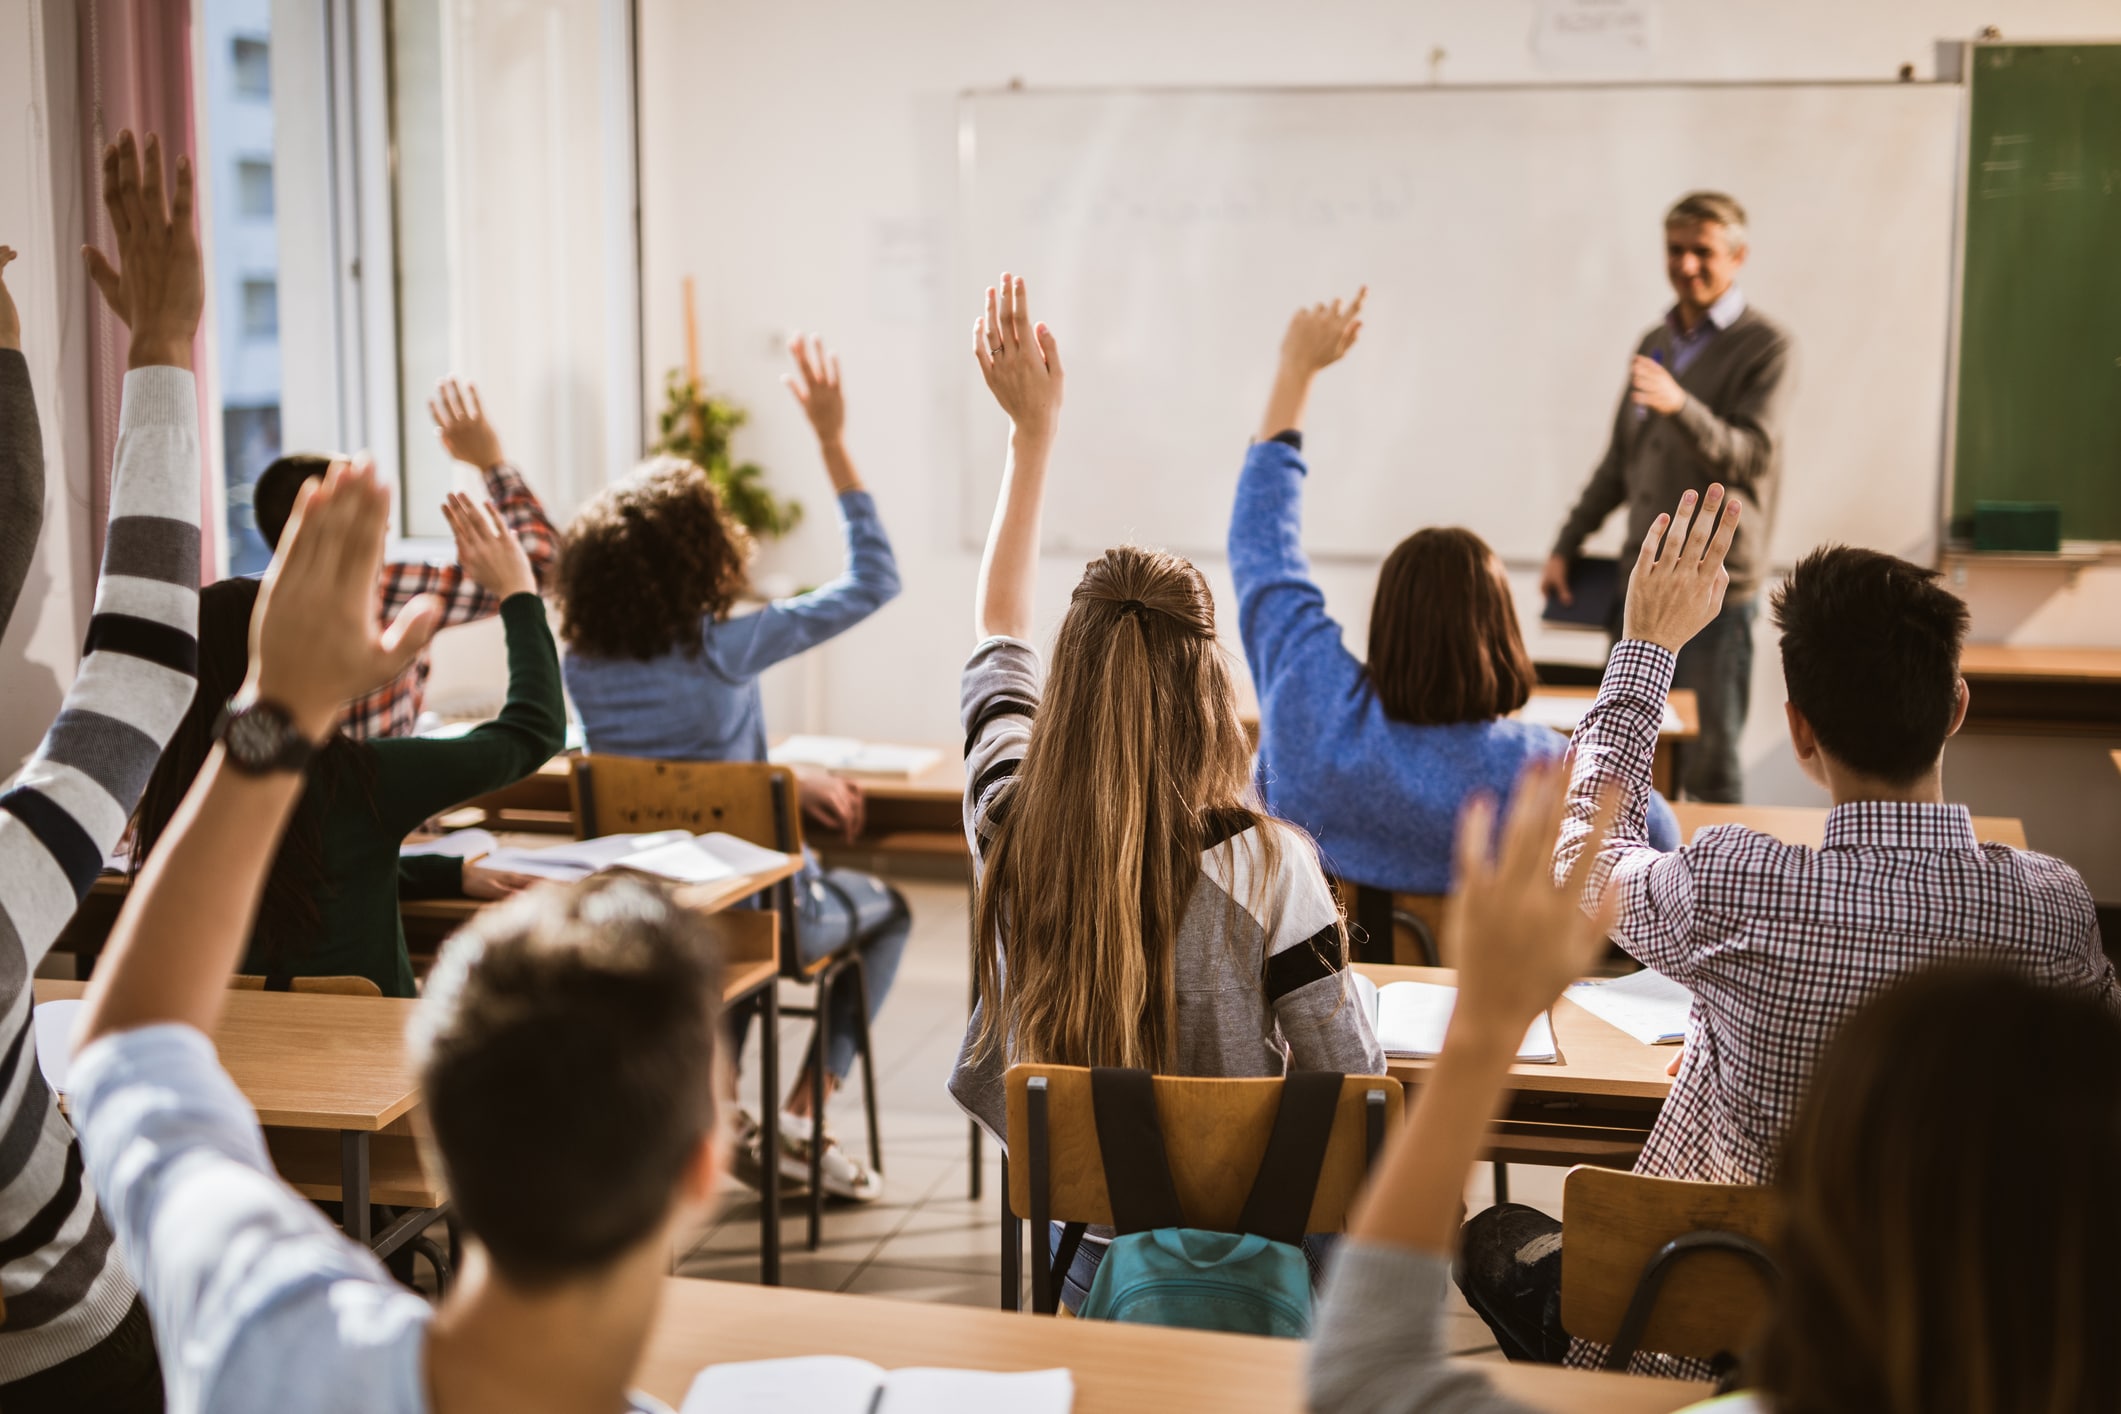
(1595, 585)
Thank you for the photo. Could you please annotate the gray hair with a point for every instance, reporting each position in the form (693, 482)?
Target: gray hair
(1699, 207)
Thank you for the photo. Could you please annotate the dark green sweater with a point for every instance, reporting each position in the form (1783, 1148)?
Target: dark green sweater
(413, 778)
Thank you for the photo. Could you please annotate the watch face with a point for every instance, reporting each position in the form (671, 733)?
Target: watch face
(253, 737)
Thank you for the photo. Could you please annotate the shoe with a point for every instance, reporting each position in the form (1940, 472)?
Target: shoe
(745, 1136)
(841, 1173)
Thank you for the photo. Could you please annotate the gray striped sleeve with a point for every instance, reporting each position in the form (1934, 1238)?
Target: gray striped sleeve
(999, 696)
(1377, 1342)
(153, 547)
(21, 479)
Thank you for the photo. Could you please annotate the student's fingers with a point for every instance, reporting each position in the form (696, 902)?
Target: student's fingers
(799, 354)
(1476, 827)
(1726, 530)
(1697, 540)
(113, 194)
(1675, 539)
(794, 385)
(1535, 815)
(1019, 317)
(434, 413)
(1646, 557)
(408, 633)
(453, 400)
(993, 319)
(473, 404)
(129, 183)
(7, 254)
(832, 372)
(183, 235)
(1049, 347)
(152, 204)
(982, 351)
(1355, 305)
(106, 279)
(490, 517)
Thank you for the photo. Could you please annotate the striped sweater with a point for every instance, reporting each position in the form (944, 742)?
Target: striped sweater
(64, 1287)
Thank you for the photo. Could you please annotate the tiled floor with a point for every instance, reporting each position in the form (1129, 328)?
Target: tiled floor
(925, 1240)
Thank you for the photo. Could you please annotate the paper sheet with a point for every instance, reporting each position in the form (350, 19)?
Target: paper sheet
(853, 757)
(55, 1040)
(839, 1384)
(464, 844)
(1647, 1005)
(1412, 1018)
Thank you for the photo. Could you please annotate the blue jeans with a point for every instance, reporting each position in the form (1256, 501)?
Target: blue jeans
(831, 906)
(1717, 664)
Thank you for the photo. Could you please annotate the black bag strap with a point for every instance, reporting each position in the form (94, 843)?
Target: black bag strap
(1279, 1205)
(1064, 1257)
(1131, 1142)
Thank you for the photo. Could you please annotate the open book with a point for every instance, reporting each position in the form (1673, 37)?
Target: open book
(846, 755)
(676, 855)
(1410, 1019)
(1647, 1005)
(840, 1384)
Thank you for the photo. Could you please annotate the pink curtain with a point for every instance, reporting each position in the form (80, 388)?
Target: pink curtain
(136, 72)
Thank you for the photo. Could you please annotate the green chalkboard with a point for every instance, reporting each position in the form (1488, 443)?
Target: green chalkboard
(2039, 394)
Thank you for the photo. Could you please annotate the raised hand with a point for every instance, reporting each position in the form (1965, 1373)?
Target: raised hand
(158, 287)
(1652, 386)
(1019, 359)
(460, 421)
(1675, 593)
(493, 558)
(1320, 336)
(10, 318)
(1528, 938)
(816, 386)
(314, 639)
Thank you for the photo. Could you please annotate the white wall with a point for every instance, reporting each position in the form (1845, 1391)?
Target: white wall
(798, 160)
(40, 215)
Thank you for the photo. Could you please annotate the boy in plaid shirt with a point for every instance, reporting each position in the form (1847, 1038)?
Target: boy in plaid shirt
(1780, 943)
(392, 709)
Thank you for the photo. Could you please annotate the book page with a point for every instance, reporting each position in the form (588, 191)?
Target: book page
(682, 862)
(809, 1384)
(1412, 1018)
(740, 856)
(1647, 1005)
(55, 1040)
(464, 844)
(928, 1391)
(578, 859)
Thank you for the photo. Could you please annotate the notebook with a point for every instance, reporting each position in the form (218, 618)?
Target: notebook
(1595, 585)
(848, 756)
(840, 1384)
(676, 855)
(1647, 1005)
(1410, 1019)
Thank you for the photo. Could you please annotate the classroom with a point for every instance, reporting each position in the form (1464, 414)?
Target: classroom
(1526, 815)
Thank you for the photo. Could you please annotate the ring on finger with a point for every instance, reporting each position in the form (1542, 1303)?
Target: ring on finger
(995, 350)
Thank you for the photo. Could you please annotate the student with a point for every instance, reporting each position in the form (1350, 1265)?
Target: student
(1947, 1246)
(565, 1051)
(1133, 909)
(1374, 759)
(658, 666)
(330, 906)
(21, 455)
(460, 422)
(75, 1335)
(1780, 943)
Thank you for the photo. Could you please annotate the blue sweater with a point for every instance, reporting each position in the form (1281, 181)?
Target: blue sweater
(1380, 796)
(705, 706)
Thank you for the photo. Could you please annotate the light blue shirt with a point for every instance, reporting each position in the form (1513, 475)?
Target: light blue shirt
(1686, 347)
(705, 706)
(259, 1305)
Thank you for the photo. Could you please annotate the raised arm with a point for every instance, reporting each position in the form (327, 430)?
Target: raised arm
(21, 455)
(315, 643)
(62, 814)
(1021, 362)
(469, 435)
(1380, 1344)
(1674, 591)
(1281, 613)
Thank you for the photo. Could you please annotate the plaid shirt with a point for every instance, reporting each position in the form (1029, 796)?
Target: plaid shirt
(392, 709)
(1780, 943)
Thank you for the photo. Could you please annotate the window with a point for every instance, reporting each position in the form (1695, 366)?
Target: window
(254, 188)
(250, 63)
(261, 309)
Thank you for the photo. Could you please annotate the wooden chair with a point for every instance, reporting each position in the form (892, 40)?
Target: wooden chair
(1215, 1133)
(331, 986)
(1661, 1264)
(756, 802)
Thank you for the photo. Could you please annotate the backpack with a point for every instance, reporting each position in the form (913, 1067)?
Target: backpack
(1160, 1272)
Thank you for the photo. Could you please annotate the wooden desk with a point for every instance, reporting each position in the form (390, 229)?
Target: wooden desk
(1118, 1368)
(1595, 1107)
(2042, 691)
(1806, 824)
(313, 1061)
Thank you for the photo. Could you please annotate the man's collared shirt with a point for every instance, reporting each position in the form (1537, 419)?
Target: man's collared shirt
(1686, 347)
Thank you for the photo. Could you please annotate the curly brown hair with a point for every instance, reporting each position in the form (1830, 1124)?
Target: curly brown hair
(646, 561)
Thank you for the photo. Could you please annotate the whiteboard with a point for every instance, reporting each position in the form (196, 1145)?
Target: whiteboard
(1512, 240)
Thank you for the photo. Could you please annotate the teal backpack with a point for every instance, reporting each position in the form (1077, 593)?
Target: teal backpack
(1160, 1272)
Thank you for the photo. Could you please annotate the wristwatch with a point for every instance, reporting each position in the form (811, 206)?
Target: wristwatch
(261, 738)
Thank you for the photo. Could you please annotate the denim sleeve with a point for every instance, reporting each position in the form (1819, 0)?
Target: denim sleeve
(746, 646)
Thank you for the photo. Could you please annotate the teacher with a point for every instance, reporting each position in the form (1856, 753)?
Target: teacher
(1704, 404)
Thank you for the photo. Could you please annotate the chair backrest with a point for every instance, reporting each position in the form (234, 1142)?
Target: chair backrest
(1215, 1133)
(333, 986)
(1406, 929)
(753, 800)
(1616, 1224)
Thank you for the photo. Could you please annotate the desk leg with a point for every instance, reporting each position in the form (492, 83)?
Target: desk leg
(353, 1184)
(770, 1137)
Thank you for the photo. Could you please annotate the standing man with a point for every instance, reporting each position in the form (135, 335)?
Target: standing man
(1704, 403)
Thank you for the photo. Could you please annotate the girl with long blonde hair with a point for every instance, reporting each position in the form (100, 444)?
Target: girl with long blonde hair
(1133, 908)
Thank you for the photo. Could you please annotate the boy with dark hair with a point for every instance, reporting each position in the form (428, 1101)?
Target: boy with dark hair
(566, 1049)
(460, 421)
(1780, 943)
